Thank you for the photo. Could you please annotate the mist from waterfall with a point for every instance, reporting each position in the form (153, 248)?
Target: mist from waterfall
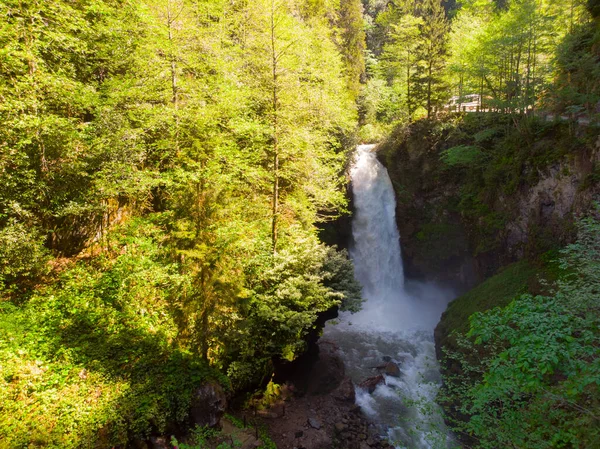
(397, 319)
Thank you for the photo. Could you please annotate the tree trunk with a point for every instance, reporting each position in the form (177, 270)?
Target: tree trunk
(408, 99)
(429, 88)
(170, 20)
(275, 205)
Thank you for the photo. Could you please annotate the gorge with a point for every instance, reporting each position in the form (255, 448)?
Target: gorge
(177, 224)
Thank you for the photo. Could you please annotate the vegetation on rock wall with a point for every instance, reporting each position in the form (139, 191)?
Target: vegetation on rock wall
(527, 373)
(478, 191)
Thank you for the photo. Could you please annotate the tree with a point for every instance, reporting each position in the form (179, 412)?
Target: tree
(293, 73)
(401, 57)
(432, 52)
(353, 45)
(507, 54)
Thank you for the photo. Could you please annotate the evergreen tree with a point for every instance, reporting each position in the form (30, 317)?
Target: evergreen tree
(429, 87)
(293, 72)
(353, 45)
(401, 55)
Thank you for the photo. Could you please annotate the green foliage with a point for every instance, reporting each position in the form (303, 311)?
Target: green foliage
(486, 134)
(288, 291)
(506, 54)
(593, 7)
(203, 438)
(578, 85)
(22, 256)
(138, 150)
(471, 168)
(462, 155)
(497, 291)
(206, 437)
(92, 359)
(408, 80)
(536, 380)
(353, 44)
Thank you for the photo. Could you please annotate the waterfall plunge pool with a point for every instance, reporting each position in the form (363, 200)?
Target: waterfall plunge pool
(396, 322)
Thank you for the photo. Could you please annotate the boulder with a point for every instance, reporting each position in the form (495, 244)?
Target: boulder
(345, 392)
(327, 373)
(391, 369)
(314, 423)
(208, 405)
(371, 383)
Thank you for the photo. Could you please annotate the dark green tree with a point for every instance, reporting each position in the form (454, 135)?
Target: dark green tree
(429, 86)
(353, 45)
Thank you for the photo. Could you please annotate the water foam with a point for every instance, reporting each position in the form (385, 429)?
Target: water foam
(397, 320)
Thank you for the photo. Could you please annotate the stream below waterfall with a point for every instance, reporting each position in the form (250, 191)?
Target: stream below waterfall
(396, 321)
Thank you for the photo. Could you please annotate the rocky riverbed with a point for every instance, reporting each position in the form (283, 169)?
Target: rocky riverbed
(318, 410)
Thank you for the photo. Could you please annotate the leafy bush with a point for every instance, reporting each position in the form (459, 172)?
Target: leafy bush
(22, 255)
(92, 360)
(288, 291)
(535, 379)
(462, 155)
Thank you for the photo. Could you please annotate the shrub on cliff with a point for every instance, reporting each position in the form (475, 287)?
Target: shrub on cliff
(530, 372)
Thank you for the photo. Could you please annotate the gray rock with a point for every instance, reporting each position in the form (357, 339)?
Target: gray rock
(345, 392)
(391, 369)
(315, 424)
(340, 427)
(208, 405)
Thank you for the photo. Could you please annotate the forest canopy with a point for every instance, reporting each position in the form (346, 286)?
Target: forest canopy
(165, 164)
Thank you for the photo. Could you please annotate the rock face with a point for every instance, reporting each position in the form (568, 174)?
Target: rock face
(208, 405)
(460, 224)
(345, 392)
(460, 228)
(328, 373)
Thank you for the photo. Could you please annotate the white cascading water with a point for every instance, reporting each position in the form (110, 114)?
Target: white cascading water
(396, 322)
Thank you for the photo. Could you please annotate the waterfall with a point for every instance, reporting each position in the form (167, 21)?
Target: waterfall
(397, 319)
(376, 245)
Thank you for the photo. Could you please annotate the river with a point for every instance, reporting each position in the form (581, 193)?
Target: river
(396, 322)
